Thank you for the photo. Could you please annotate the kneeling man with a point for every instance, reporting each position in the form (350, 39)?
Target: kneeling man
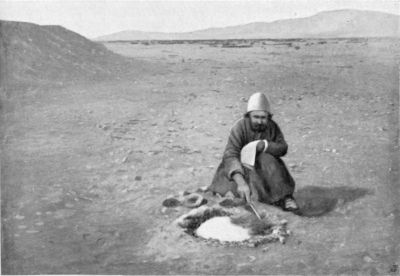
(251, 166)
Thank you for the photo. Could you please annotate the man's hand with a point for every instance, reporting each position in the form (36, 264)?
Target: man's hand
(260, 146)
(242, 187)
(244, 192)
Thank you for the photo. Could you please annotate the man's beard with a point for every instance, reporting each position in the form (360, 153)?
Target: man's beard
(258, 127)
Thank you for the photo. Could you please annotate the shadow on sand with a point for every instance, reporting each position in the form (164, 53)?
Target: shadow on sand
(317, 201)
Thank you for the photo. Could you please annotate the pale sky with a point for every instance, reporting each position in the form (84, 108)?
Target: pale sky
(93, 18)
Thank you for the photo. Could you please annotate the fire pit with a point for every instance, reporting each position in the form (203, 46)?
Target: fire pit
(217, 226)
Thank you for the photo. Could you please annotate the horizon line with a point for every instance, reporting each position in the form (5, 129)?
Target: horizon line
(252, 22)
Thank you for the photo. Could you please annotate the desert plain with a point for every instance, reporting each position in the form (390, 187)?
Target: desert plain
(87, 164)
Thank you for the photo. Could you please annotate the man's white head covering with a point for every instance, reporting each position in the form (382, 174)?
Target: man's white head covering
(258, 101)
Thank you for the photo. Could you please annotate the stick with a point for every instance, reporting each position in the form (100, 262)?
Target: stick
(255, 210)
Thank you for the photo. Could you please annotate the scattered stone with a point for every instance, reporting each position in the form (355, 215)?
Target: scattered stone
(171, 202)
(19, 217)
(103, 127)
(252, 259)
(69, 205)
(38, 213)
(39, 223)
(390, 215)
(32, 231)
(176, 257)
(202, 189)
(63, 213)
(22, 227)
(368, 259)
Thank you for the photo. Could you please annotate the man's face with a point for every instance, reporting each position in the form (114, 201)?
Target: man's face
(259, 120)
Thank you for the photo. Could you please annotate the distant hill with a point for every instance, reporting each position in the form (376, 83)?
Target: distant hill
(329, 24)
(30, 53)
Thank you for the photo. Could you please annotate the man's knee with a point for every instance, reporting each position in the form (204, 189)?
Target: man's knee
(266, 156)
(267, 160)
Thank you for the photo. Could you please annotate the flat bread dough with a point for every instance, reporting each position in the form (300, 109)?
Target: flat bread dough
(248, 154)
(221, 228)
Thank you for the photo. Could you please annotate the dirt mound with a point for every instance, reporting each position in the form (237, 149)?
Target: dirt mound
(52, 54)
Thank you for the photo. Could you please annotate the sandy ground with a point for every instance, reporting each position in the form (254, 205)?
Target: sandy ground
(86, 167)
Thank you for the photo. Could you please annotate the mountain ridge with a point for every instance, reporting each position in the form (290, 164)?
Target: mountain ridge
(325, 24)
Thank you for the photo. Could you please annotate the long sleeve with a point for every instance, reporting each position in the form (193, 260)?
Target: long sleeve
(231, 156)
(277, 146)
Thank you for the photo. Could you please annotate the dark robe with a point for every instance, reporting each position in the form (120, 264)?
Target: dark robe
(270, 180)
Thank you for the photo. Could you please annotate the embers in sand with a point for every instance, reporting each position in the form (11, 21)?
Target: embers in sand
(217, 226)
